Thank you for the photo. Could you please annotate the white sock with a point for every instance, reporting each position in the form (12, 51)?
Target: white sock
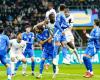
(91, 72)
(24, 66)
(88, 71)
(12, 67)
(9, 77)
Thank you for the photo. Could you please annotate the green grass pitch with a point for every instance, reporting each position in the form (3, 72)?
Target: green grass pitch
(66, 72)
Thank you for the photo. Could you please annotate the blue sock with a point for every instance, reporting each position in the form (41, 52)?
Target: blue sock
(17, 65)
(33, 65)
(54, 68)
(64, 52)
(85, 59)
(9, 71)
(56, 51)
(90, 64)
(42, 66)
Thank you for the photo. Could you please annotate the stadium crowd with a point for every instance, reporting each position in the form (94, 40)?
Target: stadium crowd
(15, 13)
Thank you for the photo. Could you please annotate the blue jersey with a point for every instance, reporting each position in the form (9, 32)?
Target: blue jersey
(94, 39)
(4, 44)
(29, 38)
(60, 23)
(43, 36)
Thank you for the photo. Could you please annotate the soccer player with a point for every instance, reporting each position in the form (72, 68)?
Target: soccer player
(50, 10)
(69, 35)
(17, 47)
(59, 37)
(45, 39)
(4, 45)
(28, 36)
(93, 46)
(50, 27)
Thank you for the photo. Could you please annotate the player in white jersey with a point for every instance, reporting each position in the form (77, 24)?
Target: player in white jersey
(17, 47)
(69, 35)
(50, 10)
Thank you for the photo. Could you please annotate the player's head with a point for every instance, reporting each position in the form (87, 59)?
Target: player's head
(1, 30)
(50, 5)
(96, 23)
(39, 29)
(67, 12)
(28, 28)
(19, 36)
(8, 31)
(52, 18)
(62, 7)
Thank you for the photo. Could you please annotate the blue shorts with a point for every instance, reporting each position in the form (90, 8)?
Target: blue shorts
(47, 55)
(3, 59)
(91, 51)
(58, 36)
(29, 52)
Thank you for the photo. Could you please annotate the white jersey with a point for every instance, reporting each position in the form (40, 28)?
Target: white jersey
(50, 26)
(17, 48)
(49, 12)
(69, 18)
(68, 33)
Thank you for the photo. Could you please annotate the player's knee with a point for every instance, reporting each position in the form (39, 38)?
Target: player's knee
(12, 59)
(7, 65)
(32, 59)
(85, 57)
(24, 61)
(57, 43)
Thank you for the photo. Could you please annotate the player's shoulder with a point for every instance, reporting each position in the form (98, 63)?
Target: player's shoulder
(23, 33)
(13, 40)
(31, 33)
(5, 36)
(23, 41)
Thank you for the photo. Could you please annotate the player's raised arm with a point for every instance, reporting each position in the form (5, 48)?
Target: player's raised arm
(41, 23)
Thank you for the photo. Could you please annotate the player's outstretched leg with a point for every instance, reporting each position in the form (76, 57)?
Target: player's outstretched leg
(32, 65)
(41, 68)
(55, 70)
(17, 66)
(24, 66)
(12, 68)
(56, 53)
(8, 71)
(65, 59)
(88, 65)
(72, 46)
(7, 65)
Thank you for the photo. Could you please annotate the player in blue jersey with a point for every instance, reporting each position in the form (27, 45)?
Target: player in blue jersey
(93, 46)
(61, 25)
(28, 36)
(4, 45)
(45, 39)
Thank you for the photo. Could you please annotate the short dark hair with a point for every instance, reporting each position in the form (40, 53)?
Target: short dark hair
(50, 15)
(97, 22)
(1, 30)
(62, 7)
(27, 26)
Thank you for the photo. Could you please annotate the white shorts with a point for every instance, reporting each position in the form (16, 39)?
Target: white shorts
(68, 35)
(16, 56)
